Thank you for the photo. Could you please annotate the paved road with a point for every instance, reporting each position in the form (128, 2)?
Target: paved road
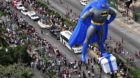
(118, 32)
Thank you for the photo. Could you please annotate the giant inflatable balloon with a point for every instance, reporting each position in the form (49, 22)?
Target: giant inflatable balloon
(92, 26)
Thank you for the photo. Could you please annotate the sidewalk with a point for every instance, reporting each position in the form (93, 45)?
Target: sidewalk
(131, 25)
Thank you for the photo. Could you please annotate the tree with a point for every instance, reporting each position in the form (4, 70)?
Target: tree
(15, 71)
(14, 55)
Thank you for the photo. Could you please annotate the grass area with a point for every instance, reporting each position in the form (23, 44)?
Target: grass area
(137, 17)
(1, 13)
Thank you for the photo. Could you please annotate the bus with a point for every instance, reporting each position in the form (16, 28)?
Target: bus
(64, 38)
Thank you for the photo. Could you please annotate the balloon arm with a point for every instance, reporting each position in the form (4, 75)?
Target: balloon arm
(88, 13)
(113, 16)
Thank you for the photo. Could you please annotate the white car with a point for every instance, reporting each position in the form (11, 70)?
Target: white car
(33, 15)
(8, 0)
(20, 6)
(24, 11)
(84, 2)
(43, 25)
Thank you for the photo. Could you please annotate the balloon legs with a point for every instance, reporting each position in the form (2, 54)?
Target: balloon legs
(84, 50)
(101, 47)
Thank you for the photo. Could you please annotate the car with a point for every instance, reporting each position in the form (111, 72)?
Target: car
(24, 11)
(84, 2)
(8, 1)
(19, 6)
(33, 15)
(43, 24)
(55, 32)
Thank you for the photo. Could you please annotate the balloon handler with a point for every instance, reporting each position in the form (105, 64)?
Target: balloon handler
(92, 26)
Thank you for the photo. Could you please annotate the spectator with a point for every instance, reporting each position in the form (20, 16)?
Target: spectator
(84, 75)
(79, 75)
(89, 73)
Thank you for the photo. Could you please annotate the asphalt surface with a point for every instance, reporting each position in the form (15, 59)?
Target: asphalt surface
(131, 39)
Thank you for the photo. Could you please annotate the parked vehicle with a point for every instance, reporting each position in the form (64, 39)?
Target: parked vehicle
(24, 11)
(84, 2)
(8, 1)
(33, 15)
(44, 24)
(19, 6)
(55, 32)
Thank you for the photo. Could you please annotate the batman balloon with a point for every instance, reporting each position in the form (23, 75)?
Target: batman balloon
(92, 26)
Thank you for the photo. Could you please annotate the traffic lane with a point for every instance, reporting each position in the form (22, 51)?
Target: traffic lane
(127, 36)
(127, 42)
(75, 3)
(62, 9)
(56, 8)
